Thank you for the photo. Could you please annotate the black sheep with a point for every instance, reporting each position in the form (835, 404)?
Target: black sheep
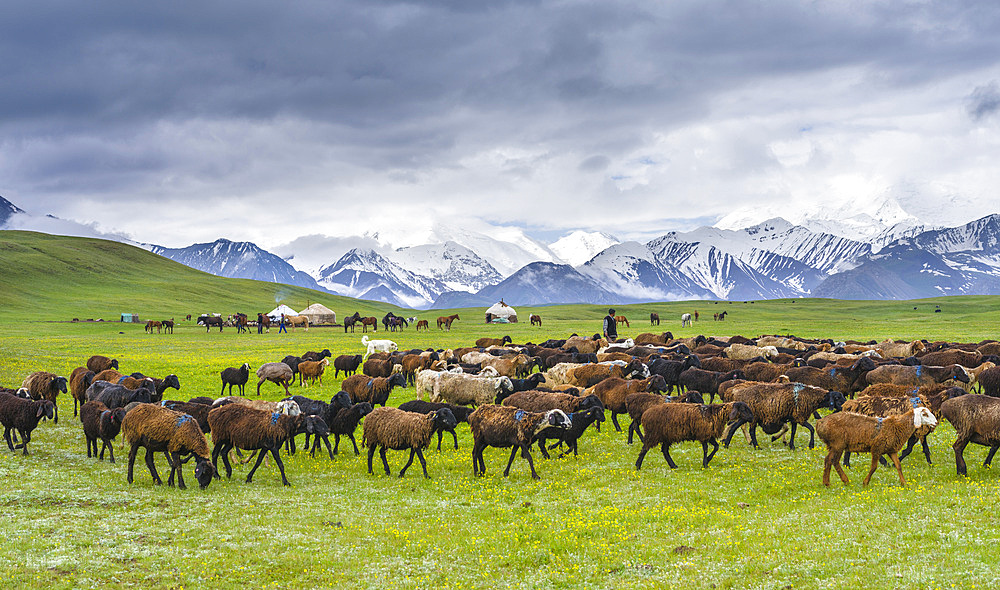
(529, 383)
(316, 356)
(424, 407)
(345, 422)
(100, 423)
(580, 421)
(671, 370)
(233, 376)
(22, 415)
(117, 396)
(293, 363)
(348, 363)
(706, 381)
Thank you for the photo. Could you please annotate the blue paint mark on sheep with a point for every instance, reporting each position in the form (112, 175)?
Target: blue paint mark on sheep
(519, 415)
(185, 418)
(878, 425)
(920, 369)
(833, 372)
(915, 402)
(274, 418)
(122, 378)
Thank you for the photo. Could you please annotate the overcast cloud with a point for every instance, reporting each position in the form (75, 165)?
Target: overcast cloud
(183, 122)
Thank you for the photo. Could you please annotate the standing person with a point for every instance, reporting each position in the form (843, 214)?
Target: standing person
(281, 325)
(610, 326)
(260, 323)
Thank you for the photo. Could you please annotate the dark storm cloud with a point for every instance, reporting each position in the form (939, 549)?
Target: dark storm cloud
(984, 101)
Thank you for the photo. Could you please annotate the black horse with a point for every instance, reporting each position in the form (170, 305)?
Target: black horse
(350, 320)
(391, 321)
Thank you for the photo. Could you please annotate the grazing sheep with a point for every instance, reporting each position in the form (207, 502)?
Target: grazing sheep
(766, 371)
(399, 430)
(293, 363)
(313, 371)
(579, 423)
(916, 376)
(45, 385)
(585, 345)
(890, 349)
(781, 342)
(745, 351)
(461, 414)
(486, 342)
(317, 356)
(503, 426)
(279, 373)
(637, 403)
(243, 427)
(101, 423)
(667, 424)
(846, 431)
(848, 380)
(162, 430)
(22, 415)
(324, 410)
(98, 363)
(197, 411)
(543, 401)
(348, 363)
(79, 380)
(233, 376)
(612, 393)
(976, 419)
(110, 375)
(657, 339)
(380, 367)
(377, 345)
(989, 382)
(414, 363)
(114, 396)
(510, 367)
(374, 390)
(592, 374)
(461, 389)
(774, 404)
(706, 381)
(952, 356)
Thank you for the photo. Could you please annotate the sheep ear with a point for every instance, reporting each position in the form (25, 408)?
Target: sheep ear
(41, 410)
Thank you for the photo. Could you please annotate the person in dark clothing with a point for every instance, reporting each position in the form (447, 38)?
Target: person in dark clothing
(610, 326)
(281, 326)
(260, 323)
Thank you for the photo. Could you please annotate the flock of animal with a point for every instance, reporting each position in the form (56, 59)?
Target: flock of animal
(882, 397)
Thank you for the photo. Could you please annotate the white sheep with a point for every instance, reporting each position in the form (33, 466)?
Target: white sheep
(462, 389)
(745, 352)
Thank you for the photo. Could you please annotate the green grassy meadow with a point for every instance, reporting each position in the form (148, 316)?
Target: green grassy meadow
(753, 519)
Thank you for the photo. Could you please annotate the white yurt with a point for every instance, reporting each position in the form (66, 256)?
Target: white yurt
(501, 311)
(319, 314)
(275, 314)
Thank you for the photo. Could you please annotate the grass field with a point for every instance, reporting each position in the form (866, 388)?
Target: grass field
(753, 519)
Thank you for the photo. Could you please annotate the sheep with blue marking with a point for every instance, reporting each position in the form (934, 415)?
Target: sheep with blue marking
(391, 428)
(160, 429)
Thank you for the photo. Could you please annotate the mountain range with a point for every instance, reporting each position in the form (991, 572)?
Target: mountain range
(880, 253)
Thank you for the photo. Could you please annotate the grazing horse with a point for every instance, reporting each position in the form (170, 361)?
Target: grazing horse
(188, 318)
(153, 324)
(620, 319)
(211, 320)
(685, 319)
(350, 320)
(446, 321)
(168, 326)
(298, 320)
(720, 317)
(369, 321)
(536, 320)
(654, 318)
(696, 315)
(423, 324)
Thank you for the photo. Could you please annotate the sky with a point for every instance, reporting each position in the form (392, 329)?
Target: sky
(177, 123)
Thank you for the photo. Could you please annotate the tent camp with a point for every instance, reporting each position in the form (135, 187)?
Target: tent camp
(319, 314)
(275, 314)
(501, 311)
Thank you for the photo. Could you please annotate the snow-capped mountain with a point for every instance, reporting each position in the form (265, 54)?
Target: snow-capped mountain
(240, 260)
(506, 250)
(459, 268)
(634, 271)
(578, 247)
(366, 274)
(545, 282)
(7, 209)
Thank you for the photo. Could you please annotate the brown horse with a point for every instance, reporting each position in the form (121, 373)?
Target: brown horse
(168, 326)
(298, 320)
(446, 321)
(620, 319)
(265, 323)
(153, 324)
(536, 320)
(423, 324)
(188, 318)
(369, 321)
(654, 318)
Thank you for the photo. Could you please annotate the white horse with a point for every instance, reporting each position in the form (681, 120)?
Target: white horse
(685, 319)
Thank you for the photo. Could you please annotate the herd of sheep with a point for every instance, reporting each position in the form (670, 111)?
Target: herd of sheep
(881, 397)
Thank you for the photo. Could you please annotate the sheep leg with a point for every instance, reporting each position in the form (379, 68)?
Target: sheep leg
(899, 468)
(260, 459)
(614, 420)
(152, 468)
(356, 451)
(847, 459)
(385, 462)
(55, 414)
(642, 454)
(109, 446)
(959, 447)
(927, 450)
(868, 478)
(513, 453)
(259, 383)
(912, 442)
(89, 443)
(665, 448)
(440, 435)
(371, 455)
(454, 436)
(281, 466)
(526, 453)
(812, 433)
(989, 456)
(336, 444)
(477, 459)
(131, 460)
(753, 435)
(541, 447)
(704, 449)
(409, 462)
(834, 457)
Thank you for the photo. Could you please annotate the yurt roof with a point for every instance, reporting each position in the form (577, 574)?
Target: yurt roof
(318, 309)
(501, 310)
(282, 309)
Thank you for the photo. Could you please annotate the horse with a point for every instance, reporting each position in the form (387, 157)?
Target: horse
(241, 323)
(350, 320)
(423, 324)
(297, 320)
(654, 319)
(153, 324)
(168, 326)
(720, 317)
(265, 323)
(536, 320)
(685, 319)
(369, 321)
(696, 315)
(391, 321)
(446, 321)
(211, 320)
(188, 318)
(620, 319)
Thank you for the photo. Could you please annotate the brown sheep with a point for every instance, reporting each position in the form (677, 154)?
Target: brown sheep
(612, 393)
(159, 429)
(764, 371)
(487, 342)
(585, 345)
(637, 403)
(312, 370)
(667, 424)
(989, 348)
(98, 363)
(412, 363)
(379, 367)
(100, 423)
(374, 390)
(543, 401)
(109, 375)
(79, 380)
(399, 430)
(242, 427)
(976, 419)
(46, 386)
(845, 431)
(510, 366)
(952, 356)
(918, 375)
(899, 349)
(503, 426)
(654, 339)
(774, 404)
